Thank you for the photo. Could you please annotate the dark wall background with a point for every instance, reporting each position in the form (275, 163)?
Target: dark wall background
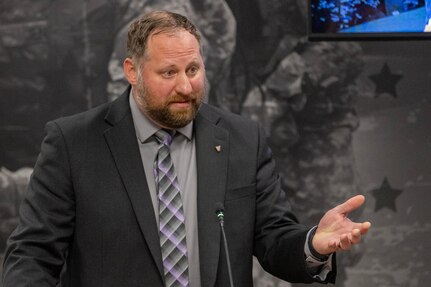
(342, 117)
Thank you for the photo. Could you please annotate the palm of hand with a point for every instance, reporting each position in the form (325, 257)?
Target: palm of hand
(336, 231)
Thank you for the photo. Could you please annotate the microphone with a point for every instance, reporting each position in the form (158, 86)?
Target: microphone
(220, 216)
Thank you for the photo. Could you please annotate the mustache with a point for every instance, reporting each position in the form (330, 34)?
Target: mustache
(183, 98)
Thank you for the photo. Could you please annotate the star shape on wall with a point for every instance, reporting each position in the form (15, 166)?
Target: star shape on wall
(386, 196)
(386, 81)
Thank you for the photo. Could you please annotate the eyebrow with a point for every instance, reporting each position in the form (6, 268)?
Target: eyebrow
(191, 63)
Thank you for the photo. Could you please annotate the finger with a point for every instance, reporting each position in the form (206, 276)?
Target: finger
(351, 204)
(345, 243)
(355, 236)
(365, 227)
(362, 227)
(333, 246)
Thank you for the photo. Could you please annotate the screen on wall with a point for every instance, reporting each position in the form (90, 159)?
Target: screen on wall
(353, 19)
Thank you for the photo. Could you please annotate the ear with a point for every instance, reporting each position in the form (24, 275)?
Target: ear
(130, 71)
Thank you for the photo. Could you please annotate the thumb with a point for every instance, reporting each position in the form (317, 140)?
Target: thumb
(350, 204)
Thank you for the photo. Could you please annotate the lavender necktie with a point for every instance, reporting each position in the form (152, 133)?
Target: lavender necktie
(171, 215)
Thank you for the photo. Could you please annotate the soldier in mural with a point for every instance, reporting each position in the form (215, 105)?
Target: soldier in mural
(304, 94)
(60, 57)
(328, 238)
(12, 188)
(57, 56)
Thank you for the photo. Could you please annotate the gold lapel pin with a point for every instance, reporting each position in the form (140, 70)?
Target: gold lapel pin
(218, 148)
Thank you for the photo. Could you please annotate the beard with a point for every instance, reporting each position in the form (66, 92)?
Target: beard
(161, 113)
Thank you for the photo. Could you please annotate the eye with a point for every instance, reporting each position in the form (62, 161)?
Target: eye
(193, 70)
(168, 73)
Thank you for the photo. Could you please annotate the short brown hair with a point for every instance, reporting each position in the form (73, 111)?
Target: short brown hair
(153, 23)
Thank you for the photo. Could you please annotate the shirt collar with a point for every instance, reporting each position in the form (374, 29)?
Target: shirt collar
(145, 128)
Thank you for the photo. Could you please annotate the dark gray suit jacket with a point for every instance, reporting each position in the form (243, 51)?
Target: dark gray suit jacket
(87, 219)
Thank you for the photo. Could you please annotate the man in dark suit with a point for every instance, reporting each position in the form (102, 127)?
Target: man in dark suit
(95, 211)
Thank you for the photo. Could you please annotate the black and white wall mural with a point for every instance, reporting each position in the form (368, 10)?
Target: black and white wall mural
(343, 117)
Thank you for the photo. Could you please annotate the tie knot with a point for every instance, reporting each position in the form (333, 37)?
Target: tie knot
(165, 137)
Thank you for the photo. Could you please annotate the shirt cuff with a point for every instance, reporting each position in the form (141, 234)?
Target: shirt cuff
(318, 266)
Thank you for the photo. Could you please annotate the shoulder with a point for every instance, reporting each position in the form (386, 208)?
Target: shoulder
(226, 118)
(98, 118)
(83, 117)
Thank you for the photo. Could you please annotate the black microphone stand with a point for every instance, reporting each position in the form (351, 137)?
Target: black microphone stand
(220, 216)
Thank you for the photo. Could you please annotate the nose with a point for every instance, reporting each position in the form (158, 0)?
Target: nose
(183, 85)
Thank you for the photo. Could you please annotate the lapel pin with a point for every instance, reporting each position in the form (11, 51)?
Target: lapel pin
(218, 148)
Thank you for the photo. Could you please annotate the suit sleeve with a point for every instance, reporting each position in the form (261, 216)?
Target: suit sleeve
(37, 249)
(279, 238)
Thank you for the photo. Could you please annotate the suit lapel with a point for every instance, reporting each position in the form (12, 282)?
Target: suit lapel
(212, 152)
(121, 139)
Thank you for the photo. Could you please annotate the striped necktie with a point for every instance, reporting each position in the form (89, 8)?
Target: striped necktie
(171, 215)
